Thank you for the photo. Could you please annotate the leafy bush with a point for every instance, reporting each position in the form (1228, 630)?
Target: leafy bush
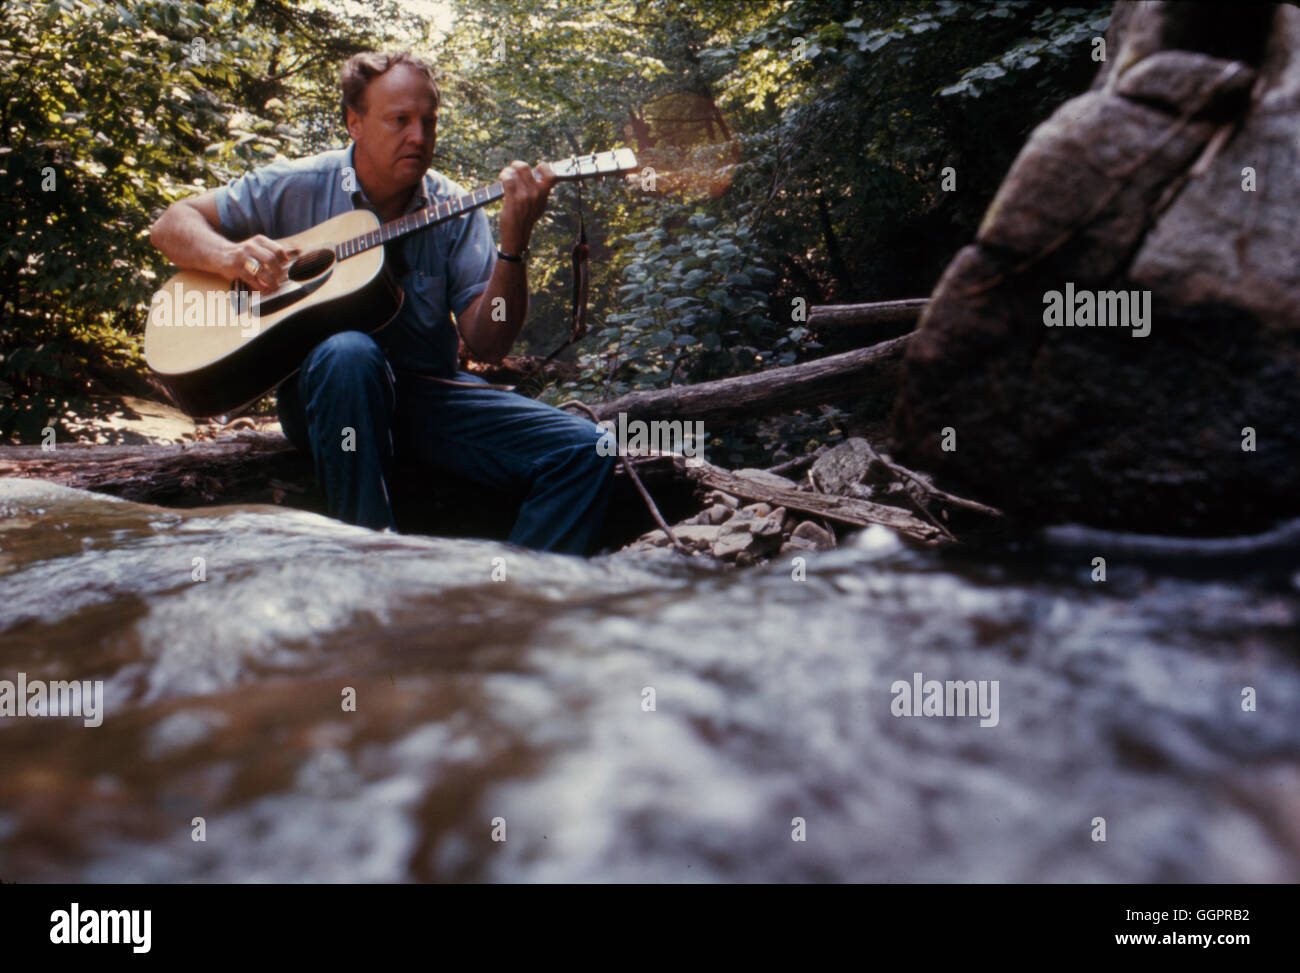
(694, 307)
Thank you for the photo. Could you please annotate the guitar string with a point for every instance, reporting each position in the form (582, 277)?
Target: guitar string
(431, 215)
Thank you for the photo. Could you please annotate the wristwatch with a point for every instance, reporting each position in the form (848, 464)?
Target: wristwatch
(513, 258)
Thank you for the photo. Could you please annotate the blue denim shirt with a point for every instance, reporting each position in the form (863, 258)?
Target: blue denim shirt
(450, 263)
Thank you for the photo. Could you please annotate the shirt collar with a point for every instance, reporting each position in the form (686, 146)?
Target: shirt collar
(419, 199)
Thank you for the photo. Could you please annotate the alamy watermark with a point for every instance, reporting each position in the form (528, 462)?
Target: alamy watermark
(1098, 309)
(59, 697)
(661, 435)
(201, 307)
(929, 697)
(75, 925)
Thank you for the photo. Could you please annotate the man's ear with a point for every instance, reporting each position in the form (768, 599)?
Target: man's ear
(354, 124)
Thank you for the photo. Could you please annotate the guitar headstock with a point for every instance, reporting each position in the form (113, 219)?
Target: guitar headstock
(613, 162)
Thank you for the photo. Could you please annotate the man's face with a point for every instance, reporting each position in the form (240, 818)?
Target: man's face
(396, 133)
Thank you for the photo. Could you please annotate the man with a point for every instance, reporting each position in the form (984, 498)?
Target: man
(391, 390)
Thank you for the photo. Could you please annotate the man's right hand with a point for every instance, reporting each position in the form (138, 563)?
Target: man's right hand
(188, 233)
(272, 262)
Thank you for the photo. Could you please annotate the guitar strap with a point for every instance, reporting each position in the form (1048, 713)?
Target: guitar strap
(580, 257)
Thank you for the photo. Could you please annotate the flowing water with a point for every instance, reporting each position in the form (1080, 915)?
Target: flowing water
(630, 718)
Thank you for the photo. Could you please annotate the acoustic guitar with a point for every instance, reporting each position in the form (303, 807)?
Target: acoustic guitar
(218, 346)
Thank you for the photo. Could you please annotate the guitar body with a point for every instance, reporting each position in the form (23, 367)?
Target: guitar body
(217, 349)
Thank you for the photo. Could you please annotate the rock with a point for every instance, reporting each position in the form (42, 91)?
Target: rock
(655, 538)
(1139, 30)
(809, 533)
(1174, 81)
(708, 515)
(839, 469)
(797, 546)
(1071, 163)
(1098, 425)
(696, 536)
(767, 479)
(725, 499)
(759, 509)
(715, 514)
(731, 543)
(766, 527)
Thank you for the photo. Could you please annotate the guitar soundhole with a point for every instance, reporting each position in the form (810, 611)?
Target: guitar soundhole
(311, 264)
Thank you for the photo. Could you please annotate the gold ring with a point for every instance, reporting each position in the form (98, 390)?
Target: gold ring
(252, 265)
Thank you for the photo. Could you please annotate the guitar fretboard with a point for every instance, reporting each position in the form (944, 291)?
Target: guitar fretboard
(420, 219)
(577, 167)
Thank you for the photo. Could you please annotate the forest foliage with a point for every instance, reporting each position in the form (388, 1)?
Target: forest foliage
(797, 153)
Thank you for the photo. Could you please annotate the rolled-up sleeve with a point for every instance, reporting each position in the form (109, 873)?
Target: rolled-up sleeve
(249, 204)
(471, 257)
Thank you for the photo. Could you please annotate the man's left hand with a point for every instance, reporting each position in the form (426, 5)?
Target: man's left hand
(524, 203)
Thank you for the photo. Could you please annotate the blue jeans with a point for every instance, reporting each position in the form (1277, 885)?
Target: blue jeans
(347, 409)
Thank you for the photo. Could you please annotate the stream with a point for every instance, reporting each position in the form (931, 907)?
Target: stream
(332, 704)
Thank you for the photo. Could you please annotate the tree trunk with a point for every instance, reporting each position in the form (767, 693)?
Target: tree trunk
(838, 268)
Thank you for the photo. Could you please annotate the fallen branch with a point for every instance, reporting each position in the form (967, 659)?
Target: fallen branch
(848, 376)
(908, 311)
(882, 472)
(845, 510)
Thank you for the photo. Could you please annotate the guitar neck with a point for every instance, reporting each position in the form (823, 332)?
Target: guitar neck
(577, 167)
(419, 220)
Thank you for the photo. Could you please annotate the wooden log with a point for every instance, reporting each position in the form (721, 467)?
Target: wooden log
(845, 377)
(236, 469)
(906, 311)
(254, 467)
